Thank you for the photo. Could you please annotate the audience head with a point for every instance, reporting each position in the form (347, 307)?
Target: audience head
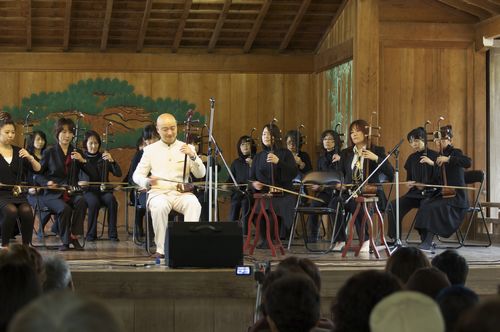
(484, 317)
(294, 264)
(292, 304)
(58, 274)
(453, 264)
(405, 261)
(64, 311)
(19, 285)
(429, 281)
(29, 255)
(454, 301)
(357, 297)
(406, 311)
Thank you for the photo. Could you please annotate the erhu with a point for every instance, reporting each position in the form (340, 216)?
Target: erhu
(27, 130)
(446, 191)
(73, 187)
(185, 186)
(105, 163)
(272, 189)
(370, 190)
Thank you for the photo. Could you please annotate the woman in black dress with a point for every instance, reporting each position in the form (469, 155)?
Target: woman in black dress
(440, 215)
(14, 165)
(99, 165)
(61, 164)
(275, 166)
(328, 161)
(240, 168)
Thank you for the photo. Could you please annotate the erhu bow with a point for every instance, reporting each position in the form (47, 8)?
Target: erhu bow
(105, 163)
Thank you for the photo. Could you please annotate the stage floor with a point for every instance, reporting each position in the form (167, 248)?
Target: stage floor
(148, 296)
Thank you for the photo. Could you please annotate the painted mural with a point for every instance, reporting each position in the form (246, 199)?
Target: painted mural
(340, 97)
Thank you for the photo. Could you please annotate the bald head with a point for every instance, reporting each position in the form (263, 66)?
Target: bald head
(166, 125)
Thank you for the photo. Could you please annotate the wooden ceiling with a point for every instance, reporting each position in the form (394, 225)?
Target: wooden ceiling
(171, 25)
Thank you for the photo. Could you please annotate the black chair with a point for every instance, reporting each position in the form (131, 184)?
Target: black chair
(322, 179)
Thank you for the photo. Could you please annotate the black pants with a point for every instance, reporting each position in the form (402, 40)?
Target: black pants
(70, 215)
(95, 200)
(405, 205)
(10, 212)
(240, 203)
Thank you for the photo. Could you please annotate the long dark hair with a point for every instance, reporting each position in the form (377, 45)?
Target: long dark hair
(245, 139)
(336, 139)
(360, 125)
(276, 133)
(88, 135)
(30, 145)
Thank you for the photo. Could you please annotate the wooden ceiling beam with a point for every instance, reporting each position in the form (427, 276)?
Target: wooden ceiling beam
(295, 24)
(492, 8)
(218, 26)
(182, 24)
(332, 24)
(67, 25)
(256, 26)
(144, 25)
(27, 15)
(467, 8)
(489, 28)
(105, 26)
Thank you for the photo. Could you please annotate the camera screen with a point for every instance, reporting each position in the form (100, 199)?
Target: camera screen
(243, 270)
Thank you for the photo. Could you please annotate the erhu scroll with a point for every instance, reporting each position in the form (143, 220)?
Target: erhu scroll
(27, 130)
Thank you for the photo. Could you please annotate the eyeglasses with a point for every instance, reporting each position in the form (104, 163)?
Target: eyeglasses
(328, 139)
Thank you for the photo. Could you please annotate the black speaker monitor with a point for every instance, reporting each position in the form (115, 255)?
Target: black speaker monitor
(203, 244)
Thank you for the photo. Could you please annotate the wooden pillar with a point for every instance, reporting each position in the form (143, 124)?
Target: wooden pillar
(366, 59)
(494, 123)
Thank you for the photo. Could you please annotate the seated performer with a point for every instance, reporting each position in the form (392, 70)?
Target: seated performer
(355, 162)
(165, 160)
(14, 165)
(419, 169)
(328, 161)
(443, 215)
(302, 159)
(61, 164)
(275, 166)
(240, 168)
(99, 167)
(149, 136)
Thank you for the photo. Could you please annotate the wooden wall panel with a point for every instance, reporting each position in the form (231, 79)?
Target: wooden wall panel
(343, 29)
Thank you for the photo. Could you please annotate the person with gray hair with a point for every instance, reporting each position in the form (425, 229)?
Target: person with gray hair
(63, 311)
(58, 274)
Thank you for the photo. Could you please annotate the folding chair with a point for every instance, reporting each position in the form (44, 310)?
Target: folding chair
(322, 179)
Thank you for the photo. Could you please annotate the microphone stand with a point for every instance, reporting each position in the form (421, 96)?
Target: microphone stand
(397, 241)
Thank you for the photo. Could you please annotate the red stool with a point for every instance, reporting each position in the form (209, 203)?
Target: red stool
(366, 203)
(260, 199)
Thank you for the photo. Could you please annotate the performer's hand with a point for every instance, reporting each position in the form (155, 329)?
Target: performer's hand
(249, 161)
(257, 185)
(369, 155)
(338, 186)
(186, 149)
(272, 158)
(32, 191)
(203, 158)
(76, 155)
(411, 184)
(107, 156)
(52, 185)
(426, 160)
(315, 187)
(299, 161)
(442, 160)
(335, 158)
(83, 183)
(153, 180)
(25, 154)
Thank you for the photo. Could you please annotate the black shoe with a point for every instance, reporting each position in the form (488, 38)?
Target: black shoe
(91, 239)
(426, 247)
(114, 239)
(64, 247)
(76, 244)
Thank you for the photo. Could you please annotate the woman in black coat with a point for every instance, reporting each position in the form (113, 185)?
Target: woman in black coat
(302, 159)
(439, 215)
(15, 163)
(99, 166)
(275, 166)
(327, 162)
(61, 165)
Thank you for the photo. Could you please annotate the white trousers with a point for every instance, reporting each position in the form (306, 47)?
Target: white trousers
(160, 206)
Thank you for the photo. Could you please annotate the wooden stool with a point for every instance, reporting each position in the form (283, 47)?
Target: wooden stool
(366, 202)
(260, 199)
